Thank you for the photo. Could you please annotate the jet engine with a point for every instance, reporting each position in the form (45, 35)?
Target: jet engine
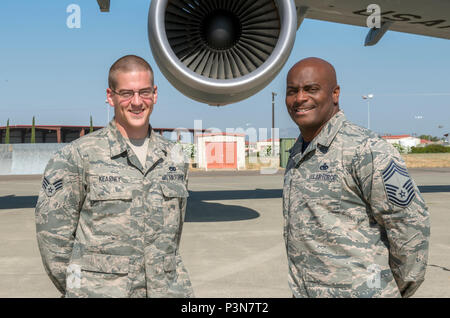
(221, 51)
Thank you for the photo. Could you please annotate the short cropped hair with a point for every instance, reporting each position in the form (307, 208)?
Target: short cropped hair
(127, 63)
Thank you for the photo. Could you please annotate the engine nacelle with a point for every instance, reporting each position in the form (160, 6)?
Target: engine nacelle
(220, 52)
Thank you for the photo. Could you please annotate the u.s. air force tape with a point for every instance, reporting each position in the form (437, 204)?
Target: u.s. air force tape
(398, 185)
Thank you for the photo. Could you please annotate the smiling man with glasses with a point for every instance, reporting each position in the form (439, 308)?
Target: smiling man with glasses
(112, 204)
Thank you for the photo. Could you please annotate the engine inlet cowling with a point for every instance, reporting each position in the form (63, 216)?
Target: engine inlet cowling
(220, 52)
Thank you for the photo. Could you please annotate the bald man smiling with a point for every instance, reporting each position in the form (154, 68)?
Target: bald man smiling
(355, 223)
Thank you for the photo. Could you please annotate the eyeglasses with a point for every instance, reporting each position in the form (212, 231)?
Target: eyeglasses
(145, 93)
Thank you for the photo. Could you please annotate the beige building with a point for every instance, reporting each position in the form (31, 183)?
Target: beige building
(220, 151)
(403, 140)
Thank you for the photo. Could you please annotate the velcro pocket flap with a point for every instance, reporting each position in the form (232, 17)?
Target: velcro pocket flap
(174, 189)
(104, 263)
(100, 192)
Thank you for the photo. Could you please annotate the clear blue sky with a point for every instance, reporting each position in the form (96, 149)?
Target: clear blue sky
(59, 74)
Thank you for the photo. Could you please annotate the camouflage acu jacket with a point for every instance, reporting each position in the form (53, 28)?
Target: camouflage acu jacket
(355, 223)
(106, 227)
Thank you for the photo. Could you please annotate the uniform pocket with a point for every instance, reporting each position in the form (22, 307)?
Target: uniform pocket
(333, 277)
(174, 197)
(158, 271)
(174, 189)
(181, 287)
(104, 263)
(109, 208)
(167, 277)
(101, 276)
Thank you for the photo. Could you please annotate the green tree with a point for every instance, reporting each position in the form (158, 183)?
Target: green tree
(400, 148)
(91, 128)
(430, 149)
(7, 132)
(33, 132)
(429, 137)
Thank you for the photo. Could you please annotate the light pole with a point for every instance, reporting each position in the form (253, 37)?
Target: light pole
(273, 123)
(419, 117)
(368, 97)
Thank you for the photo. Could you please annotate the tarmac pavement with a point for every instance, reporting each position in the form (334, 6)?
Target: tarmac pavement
(232, 243)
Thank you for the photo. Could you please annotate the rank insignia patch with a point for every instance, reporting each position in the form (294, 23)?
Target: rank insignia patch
(51, 188)
(398, 185)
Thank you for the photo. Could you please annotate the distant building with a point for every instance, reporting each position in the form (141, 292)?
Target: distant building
(261, 146)
(220, 151)
(404, 140)
(21, 134)
(425, 142)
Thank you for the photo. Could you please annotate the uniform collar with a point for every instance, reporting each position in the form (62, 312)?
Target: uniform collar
(156, 150)
(324, 138)
(117, 142)
(331, 128)
(118, 146)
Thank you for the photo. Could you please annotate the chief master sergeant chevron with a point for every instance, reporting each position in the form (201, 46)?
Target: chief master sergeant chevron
(355, 224)
(111, 209)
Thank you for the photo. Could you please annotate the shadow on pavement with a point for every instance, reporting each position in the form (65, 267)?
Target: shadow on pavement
(434, 188)
(236, 194)
(198, 211)
(15, 202)
(196, 197)
(441, 267)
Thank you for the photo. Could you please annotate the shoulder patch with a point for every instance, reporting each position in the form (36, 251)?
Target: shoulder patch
(51, 188)
(398, 185)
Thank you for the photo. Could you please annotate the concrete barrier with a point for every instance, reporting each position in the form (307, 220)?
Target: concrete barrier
(19, 159)
(5, 159)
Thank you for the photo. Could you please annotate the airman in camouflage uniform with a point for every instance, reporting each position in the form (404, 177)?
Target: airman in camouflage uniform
(109, 227)
(355, 224)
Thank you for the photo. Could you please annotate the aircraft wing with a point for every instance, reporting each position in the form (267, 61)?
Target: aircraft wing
(431, 18)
